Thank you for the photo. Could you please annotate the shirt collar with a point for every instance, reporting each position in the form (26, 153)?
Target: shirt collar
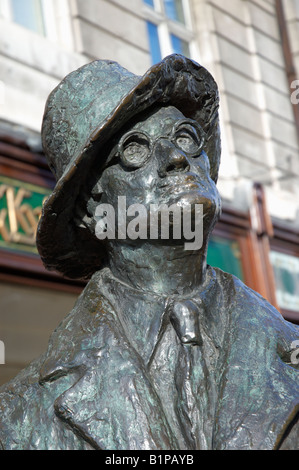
(145, 315)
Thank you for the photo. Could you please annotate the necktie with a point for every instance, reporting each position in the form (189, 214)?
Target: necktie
(184, 316)
(195, 399)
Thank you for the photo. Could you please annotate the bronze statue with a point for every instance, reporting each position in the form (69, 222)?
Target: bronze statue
(160, 351)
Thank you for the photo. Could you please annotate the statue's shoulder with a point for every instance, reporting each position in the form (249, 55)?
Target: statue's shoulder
(27, 413)
(245, 304)
(27, 400)
(253, 323)
(261, 355)
(16, 398)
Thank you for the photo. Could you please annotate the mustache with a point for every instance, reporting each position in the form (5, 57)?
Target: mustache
(180, 179)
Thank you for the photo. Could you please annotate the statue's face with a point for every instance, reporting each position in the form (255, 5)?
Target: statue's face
(160, 160)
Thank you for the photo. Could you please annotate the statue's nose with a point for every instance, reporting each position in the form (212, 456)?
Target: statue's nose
(172, 160)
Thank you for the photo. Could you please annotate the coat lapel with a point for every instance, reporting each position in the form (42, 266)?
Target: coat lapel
(114, 406)
(112, 403)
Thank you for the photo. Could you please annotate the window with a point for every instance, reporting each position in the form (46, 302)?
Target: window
(149, 2)
(179, 45)
(29, 14)
(169, 28)
(174, 10)
(153, 36)
(49, 18)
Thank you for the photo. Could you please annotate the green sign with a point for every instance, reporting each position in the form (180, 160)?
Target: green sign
(225, 254)
(20, 210)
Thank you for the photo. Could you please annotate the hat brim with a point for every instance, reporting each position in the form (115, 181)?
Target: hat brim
(63, 244)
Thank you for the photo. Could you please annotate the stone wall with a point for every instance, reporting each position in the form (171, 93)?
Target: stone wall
(241, 41)
(292, 17)
(31, 65)
(113, 29)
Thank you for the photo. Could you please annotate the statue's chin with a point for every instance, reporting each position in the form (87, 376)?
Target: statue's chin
(174, 220)
(190, 212)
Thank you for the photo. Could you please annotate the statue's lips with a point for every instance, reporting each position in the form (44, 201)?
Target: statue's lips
(188, 188)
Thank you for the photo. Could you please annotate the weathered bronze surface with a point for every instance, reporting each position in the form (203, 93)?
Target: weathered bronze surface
(160, 351)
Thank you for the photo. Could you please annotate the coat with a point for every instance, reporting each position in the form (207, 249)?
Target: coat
(117, 375)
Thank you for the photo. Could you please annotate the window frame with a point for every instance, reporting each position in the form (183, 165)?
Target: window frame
(55, 13)
(166, 27)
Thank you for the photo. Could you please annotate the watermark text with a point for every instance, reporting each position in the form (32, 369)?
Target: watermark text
(159, 222)
(295, 94)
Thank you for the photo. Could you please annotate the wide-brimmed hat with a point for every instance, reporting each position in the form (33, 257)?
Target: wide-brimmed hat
(82, 115)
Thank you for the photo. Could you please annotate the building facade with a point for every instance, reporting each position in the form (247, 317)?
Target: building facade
(252, 49)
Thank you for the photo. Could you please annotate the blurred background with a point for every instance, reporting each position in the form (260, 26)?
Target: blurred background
(252, 49)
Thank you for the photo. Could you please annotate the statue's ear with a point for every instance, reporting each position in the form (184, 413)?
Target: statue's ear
(86, 205)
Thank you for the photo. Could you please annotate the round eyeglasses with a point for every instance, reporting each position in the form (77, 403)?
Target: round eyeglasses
(136, 147)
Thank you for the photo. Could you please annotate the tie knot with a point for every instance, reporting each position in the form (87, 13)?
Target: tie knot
(184, 316)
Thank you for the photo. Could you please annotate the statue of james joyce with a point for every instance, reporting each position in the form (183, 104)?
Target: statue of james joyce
(161, 351)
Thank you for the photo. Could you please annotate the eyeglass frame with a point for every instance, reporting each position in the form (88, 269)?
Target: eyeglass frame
(152, 143)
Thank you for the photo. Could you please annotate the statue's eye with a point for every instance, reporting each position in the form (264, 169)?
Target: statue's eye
(187, 140)
(135, 150)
